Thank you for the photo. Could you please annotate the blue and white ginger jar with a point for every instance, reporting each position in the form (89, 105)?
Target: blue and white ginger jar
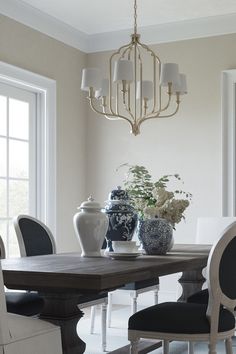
(156, 235)
(122, 217)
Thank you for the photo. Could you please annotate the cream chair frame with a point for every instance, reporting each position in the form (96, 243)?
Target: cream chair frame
(216, 298)
(100, 301)
(26, 335)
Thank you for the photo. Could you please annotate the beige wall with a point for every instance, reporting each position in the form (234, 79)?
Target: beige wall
(188, 144)
(90, 148)
(28, 49)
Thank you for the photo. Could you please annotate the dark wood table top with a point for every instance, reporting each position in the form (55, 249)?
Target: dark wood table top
(58, 272)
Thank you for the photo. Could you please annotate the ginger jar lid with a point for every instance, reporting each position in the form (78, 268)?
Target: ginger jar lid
(118, 194)
(90, 204)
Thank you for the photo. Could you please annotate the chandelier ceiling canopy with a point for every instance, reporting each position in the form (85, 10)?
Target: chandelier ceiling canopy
(134, 89)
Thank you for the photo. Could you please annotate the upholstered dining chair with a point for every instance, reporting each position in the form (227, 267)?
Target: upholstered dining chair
(209, 229)
(35, 238)
(26, 335)
(211, 322)
(134, 289)
(21, 302)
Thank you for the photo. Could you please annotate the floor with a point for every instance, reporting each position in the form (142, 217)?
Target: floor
(117, 335)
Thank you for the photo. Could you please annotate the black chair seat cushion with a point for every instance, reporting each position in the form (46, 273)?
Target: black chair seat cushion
(201, 297)
(24, 303)
(178, 317)
(87, 298)
(140, 284)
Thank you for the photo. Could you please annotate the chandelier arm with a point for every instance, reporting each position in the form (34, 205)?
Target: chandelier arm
(155, 107)
(172, 114)
(110, 73)
(141, 79)
(108, 115)
(129, 48)
(94, 108)
(129, 112)
(144, 46)
(117, 99)
(129, 100)
(135, 81)
(156, 114)
(159, 116)
(164, 108)
(155, 59)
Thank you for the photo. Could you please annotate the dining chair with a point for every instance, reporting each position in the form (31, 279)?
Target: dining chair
(26, 335)
(21, 302)
(192, 322)
(35, 238)
(208, 231)
(134, 289)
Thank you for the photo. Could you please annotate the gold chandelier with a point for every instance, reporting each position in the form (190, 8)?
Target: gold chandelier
(127, 94)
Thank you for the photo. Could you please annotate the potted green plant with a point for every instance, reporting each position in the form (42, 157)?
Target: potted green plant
(159, 209)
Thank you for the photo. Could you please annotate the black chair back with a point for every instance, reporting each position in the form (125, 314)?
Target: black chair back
(227, 270)
(34, 237)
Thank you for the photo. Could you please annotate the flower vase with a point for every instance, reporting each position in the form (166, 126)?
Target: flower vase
(156, 235)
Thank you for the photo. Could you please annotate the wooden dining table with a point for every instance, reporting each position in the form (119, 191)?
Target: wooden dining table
(63, 278)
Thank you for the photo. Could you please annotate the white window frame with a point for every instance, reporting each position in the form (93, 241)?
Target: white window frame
(45, 89)
(228, 142)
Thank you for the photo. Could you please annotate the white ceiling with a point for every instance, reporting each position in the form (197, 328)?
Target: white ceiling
(98, 16)
(98, 25)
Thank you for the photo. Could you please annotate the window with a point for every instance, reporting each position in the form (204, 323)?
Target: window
(18, 160)
(27, 124)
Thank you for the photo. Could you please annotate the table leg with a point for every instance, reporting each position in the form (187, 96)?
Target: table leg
(191, 282)
(62, 310)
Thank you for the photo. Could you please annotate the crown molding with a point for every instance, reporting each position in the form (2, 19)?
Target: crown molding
(38, 20)
(170, 32)
(164, 33)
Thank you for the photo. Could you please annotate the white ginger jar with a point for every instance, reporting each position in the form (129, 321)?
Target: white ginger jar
(91, 224)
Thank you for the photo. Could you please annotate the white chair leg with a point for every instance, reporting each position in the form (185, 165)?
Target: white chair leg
(165, 344)
(228, 346)
(109, 309)
(134, 347)
(156, 295)
(212, 348)
(134, 297)
(93, 314)
(104, 325)
(190, 348)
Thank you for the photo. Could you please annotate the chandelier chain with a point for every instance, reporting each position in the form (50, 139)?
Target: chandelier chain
(135, 16)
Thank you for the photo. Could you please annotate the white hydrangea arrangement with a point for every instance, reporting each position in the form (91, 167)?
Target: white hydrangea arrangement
(152, 199)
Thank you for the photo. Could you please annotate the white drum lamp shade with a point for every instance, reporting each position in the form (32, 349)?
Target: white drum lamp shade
(104, 90)
(147, 90)
(123, 71)
(169, 74)
(91, 77)
(180, 88)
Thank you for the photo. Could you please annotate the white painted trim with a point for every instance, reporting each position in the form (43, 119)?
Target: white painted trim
(45, 88)
(169, 32)
(40, 21)
(228, 142)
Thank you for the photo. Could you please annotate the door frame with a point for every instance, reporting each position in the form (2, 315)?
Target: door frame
(228, 142)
